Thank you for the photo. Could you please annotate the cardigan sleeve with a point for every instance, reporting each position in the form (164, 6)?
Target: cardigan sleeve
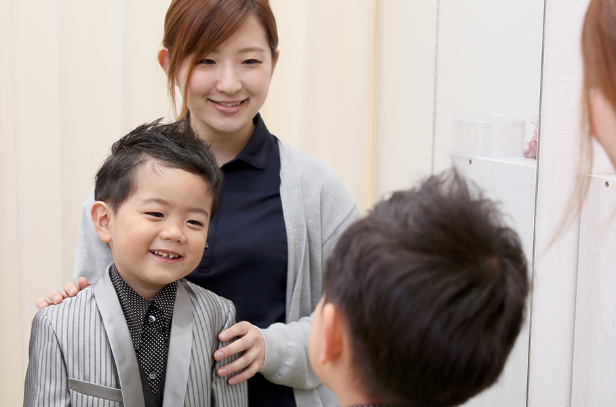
(320, 207)
(286, 345)
(91, 256)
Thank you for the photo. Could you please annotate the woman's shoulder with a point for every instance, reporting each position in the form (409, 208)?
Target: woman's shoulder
(317, 184)
(306, 168)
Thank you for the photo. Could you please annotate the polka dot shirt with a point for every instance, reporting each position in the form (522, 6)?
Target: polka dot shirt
(149, 323)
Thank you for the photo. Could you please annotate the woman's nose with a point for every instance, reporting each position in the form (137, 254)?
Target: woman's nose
(229, 81)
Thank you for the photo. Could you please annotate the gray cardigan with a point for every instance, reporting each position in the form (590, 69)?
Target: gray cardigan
(317, 208)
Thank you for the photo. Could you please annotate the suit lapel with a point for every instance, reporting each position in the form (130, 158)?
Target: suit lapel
(120, 341)
(180, 348)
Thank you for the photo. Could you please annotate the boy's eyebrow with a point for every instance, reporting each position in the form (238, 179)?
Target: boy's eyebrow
(156, 200)
(165, 203)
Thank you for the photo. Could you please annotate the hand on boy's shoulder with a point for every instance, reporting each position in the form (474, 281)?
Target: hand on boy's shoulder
(56, 297)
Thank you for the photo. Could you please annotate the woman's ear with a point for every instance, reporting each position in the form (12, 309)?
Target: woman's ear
(163, 59)
(101, 218)
(275, 61)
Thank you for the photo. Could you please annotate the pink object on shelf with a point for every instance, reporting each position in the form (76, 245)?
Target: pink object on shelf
(531, 147)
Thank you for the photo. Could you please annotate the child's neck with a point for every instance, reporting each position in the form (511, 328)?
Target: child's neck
(147, 291)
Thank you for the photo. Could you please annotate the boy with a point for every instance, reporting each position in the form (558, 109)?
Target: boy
(423, 300)
(141, 335)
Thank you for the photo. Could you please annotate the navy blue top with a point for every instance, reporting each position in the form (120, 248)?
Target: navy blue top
(246, 255)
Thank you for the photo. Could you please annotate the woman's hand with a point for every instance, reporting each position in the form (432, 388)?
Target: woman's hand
(251, 342)
(56, 297)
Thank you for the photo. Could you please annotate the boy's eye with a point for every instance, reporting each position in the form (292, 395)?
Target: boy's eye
(195, 222)
(206, 61)
(252, 61)
(155, 214)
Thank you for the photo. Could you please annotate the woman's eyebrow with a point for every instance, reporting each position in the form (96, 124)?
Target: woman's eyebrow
(251, 49)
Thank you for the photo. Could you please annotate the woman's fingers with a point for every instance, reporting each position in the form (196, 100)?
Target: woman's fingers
(239, 329)
(83, 283)
(251, 343)
(42, 303)
(55, 296)
(70, 289)
(247, 361)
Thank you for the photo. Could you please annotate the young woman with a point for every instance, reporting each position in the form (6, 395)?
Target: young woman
(280, 210)
(599, 94)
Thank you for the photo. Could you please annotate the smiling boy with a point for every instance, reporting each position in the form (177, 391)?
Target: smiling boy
(141, 335)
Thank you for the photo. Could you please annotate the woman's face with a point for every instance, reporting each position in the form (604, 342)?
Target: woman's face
(228, 87)
(603, 117)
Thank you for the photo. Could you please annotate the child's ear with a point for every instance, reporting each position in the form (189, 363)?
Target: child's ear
(163, 59)
(101, 217)
(333, 334)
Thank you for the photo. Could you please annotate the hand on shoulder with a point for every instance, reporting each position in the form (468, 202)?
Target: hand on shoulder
(56, 297)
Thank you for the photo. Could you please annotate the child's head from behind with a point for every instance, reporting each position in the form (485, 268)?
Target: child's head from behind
(427, 292)
(155, 195)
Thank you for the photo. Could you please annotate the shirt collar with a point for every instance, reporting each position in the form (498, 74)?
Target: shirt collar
(255, 152)
(135, 307)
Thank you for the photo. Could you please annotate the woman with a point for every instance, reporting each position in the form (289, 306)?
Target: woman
(599, 93)
(280, 210)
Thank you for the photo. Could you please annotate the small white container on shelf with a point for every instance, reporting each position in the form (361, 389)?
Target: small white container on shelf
(492, 135)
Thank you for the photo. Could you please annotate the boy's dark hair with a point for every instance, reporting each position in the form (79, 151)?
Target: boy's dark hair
(432, 285)
(172, 145)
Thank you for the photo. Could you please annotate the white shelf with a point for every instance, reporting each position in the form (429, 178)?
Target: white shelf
(510, 181)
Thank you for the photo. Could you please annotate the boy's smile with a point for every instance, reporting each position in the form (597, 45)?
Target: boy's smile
(159, 233)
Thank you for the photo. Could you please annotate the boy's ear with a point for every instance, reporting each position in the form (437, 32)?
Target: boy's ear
(333, 334)
(163, 59)
(101, 217)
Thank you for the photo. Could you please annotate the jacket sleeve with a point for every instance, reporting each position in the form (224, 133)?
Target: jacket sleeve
(46, 377)
(91, 256)
(286, 353)
(224, 394)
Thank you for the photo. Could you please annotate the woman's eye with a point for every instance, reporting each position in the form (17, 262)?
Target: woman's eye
(195, 222)
(252, 61)
(207, 61)
(155, 214)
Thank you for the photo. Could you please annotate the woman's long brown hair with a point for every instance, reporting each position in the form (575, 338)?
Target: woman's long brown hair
(599, 61)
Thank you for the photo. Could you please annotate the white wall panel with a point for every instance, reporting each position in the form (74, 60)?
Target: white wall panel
(553, 304)
(512, 183)
(594, 355)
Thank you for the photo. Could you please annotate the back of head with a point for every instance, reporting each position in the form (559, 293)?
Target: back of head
(432, 286)
(173, 145)
(194, 28)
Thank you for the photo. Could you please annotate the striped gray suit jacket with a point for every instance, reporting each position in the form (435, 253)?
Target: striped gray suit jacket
(81, 352)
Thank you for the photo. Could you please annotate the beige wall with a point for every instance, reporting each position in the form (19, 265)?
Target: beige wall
(353, 86)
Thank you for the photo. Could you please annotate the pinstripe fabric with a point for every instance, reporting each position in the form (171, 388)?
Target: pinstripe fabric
(69, 341)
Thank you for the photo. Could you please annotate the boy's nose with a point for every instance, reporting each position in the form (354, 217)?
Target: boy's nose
(173, 232)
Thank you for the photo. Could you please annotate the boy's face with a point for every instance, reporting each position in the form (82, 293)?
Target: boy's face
(159, 233)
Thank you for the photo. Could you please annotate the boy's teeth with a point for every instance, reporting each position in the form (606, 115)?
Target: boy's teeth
(166, 255)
